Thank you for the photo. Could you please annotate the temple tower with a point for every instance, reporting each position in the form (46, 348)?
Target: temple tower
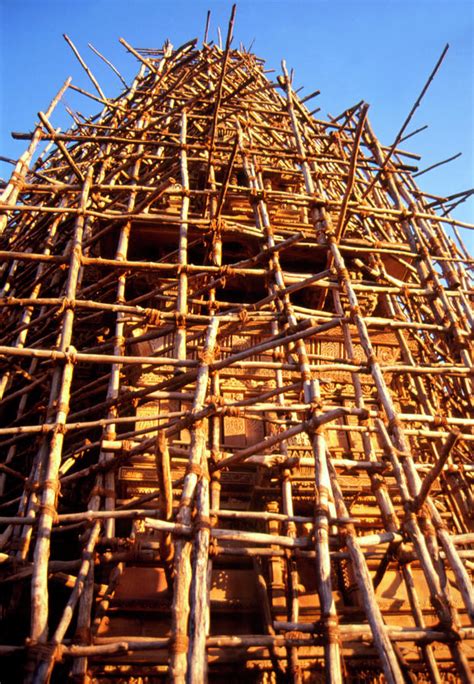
(236, 389)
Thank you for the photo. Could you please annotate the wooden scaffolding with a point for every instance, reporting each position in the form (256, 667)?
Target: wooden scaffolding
(236, 390)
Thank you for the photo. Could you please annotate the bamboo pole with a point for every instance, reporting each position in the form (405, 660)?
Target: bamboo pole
(39, 582)
(14, 186)
(114, 382)
(429, 479)
(84, 66)
(45, 668)
(182, 302)
(379, 630)
(458, 568)
(311, 393)
(386, 653)
(387, 508)
(180, 608)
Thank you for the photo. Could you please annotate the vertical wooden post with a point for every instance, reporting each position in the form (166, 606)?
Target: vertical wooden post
(183, 570)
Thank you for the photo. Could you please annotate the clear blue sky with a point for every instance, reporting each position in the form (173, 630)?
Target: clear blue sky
(381, 51)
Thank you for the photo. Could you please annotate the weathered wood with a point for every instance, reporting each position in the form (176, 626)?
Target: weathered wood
(39, 582)
(236, 378)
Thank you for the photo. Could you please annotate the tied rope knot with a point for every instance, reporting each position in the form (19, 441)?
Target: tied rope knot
(54, 485)
(71, 357)
(196, 469)
(440, 420)
(215, 225)
(406, 291)
(207, 357)
(227, 271)
(395, 423)
(372, 359)
(330, 629)
(65, 304)
(16, 179)
(179, 643)
(215, 400)
(406, 214)
(44, 651)
(180, 320)
(51, 511)
(153, 316)
(202, 522)
(232, 411)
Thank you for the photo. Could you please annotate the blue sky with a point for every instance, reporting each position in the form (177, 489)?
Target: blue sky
(381, 51)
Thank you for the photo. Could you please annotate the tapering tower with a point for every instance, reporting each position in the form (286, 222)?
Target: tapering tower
(236, 390)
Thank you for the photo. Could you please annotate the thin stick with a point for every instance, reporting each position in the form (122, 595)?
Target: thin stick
(85, 67)
(116, 72)
(434, 166)
(407, 121)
